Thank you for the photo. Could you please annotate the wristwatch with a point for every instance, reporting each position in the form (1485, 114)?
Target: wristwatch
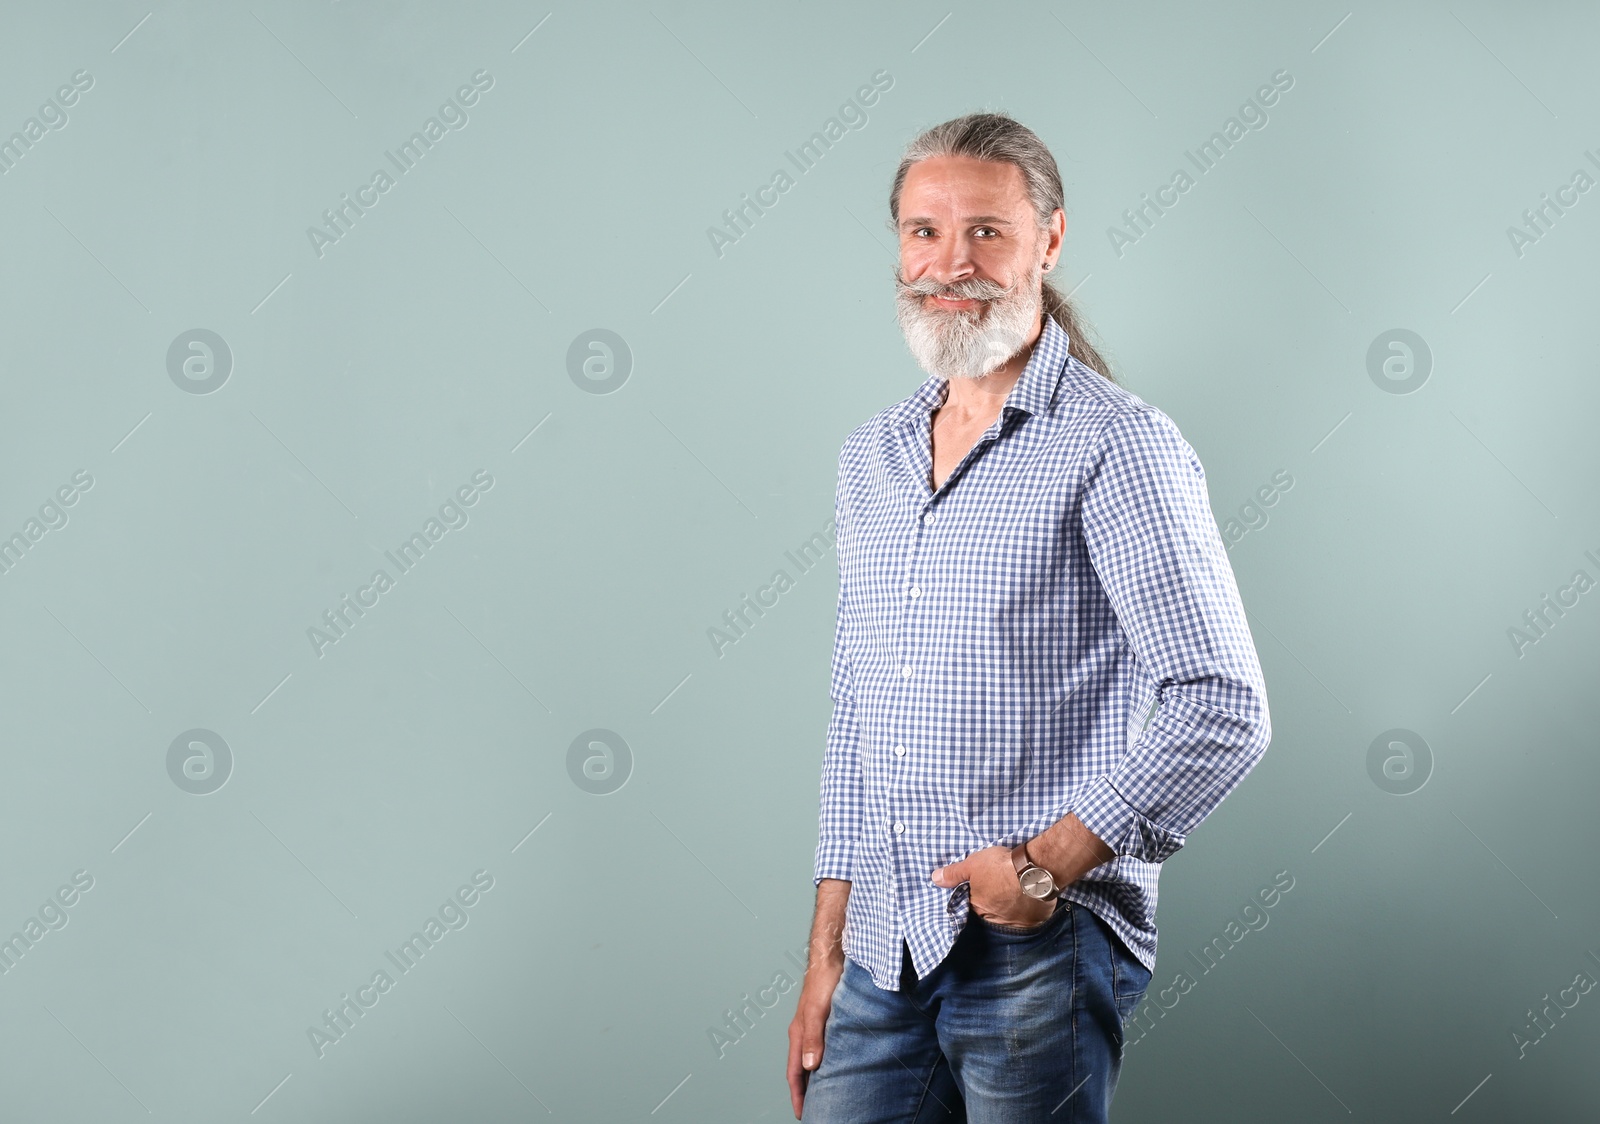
(1037, 882)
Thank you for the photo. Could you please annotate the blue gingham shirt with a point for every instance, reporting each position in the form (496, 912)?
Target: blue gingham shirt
(998, 647)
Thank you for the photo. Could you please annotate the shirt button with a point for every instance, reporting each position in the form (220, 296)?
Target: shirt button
(899, 751)
(928, 518)
(906, 671)
(916, 592)
(899, 828)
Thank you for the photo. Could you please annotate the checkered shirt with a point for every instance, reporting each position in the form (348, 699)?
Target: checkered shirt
(1000, 644)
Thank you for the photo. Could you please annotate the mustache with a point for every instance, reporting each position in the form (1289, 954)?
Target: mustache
(973, 289)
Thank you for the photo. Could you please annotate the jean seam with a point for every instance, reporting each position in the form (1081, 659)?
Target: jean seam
(1117, 971)
(1080, 992)
(1116, 992)
(927, 1087)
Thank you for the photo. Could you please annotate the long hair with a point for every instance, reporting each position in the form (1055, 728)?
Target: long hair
(1001, 139)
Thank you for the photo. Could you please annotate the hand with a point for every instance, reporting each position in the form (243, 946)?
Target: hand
(995, 890)
(805, 1029)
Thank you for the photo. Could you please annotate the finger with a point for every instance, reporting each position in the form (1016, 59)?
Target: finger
(805, 1054)
(797, 1088)
(797, 1073)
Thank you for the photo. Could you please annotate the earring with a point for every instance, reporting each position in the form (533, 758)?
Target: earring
(1047, 265)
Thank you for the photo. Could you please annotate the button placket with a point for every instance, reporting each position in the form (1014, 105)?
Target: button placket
(913, 595)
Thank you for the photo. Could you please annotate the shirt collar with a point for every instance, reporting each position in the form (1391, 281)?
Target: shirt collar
(1033, 393)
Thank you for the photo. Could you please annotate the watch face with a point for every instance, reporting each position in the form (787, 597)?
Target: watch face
(1037, 883)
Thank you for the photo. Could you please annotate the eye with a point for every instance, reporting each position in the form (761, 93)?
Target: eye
(979, 230)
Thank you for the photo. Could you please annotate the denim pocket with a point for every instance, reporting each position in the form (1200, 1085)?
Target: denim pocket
(1063, 907)
(1129, 980)
(1126, 1002)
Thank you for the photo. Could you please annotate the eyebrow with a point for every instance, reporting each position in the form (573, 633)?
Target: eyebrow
(993, 220)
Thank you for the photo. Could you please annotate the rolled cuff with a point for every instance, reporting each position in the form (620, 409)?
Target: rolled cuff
(835, 859)
(1121, 827)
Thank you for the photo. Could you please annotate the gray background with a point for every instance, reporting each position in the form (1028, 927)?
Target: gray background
(431, 342)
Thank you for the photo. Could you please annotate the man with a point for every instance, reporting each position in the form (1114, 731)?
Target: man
(1042, 681)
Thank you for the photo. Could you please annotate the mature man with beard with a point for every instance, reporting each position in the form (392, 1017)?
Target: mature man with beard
(1042, 681)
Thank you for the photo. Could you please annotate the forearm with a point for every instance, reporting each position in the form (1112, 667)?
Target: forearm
(1068, 850)
(827, 926)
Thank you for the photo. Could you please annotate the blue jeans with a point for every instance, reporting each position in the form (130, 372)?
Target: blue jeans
(1014, 1026)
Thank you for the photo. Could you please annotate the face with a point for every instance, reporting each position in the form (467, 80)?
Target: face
(971, 256)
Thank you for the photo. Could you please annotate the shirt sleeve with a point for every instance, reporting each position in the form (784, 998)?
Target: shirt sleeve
(1154, 543)
(839, 819)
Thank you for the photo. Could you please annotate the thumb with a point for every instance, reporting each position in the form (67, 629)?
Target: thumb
(811, 1043)
(952, 875)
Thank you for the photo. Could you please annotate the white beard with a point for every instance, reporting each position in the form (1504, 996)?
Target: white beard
(973, 342)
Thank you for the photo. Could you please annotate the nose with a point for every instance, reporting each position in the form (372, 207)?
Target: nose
(947, 263)
(952, 261)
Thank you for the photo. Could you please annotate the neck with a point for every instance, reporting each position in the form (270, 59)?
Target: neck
(982, 397)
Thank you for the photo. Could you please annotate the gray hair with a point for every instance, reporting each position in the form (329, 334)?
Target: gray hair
(999, 138)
